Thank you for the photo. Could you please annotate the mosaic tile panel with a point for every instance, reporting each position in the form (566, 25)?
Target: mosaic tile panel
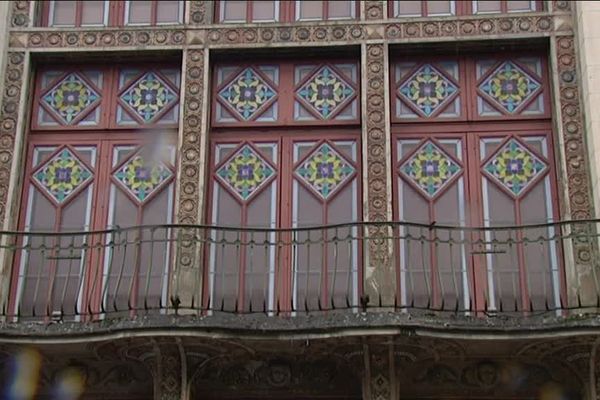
(430, 168)
(141, 178)
(514, 167)
(509, 86)
(325, 170)
(246, 172)
(148, 96)
(248, 94)
(70, 98)
(325, 92)
(62, 175)
(427, 90)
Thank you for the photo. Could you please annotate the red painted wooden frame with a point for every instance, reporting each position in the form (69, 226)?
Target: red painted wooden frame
(287, 11)
(103, 141)
(459, 9)
(462, 93)
(108, 101)
(539, 6)
(116, 13)
(286, 94)
(284, 179)
(470, 136)
(468, 87)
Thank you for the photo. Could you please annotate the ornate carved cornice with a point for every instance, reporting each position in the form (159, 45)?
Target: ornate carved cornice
(300, 34)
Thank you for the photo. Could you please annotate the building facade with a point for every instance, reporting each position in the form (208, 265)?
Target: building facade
(294, 199)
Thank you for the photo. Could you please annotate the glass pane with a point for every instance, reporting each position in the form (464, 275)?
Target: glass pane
(233, 11)
(93, 13)
(64, 13)
(488, 6)
(263, 11)
(519, 5)
(408, 7)
(140, 12)
(167, 11)
(309, 10)
(341, 9)
(439, 7)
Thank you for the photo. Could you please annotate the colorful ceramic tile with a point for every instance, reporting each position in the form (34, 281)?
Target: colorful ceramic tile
(325, 92)
(245, 172)
(514, 167)
(325, 170)
(70, 98)
(430, 168)
(148, 96)
(247, 94)
(62, 175)
(509, 86)
(427, 90)
(141, 178)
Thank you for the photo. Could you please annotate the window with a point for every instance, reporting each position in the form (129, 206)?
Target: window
(271, 11)
(325, 10)
(61, 13)
(100, 154)
(155, 12)
(248, 11)
(277, 177)
(473, 146)
(77, 13)
(423, 8)
(505, 6)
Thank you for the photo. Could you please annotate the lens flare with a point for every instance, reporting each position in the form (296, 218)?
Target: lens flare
(25, 375)
(69, 385)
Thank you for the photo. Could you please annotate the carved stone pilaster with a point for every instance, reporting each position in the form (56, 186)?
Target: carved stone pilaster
(380, 381)
(374, 9)
(577, 196)
(192, 146)
(200, 11)
(380, 276)
(20, 13)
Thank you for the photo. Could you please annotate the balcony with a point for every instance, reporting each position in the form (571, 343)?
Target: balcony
(409, 272)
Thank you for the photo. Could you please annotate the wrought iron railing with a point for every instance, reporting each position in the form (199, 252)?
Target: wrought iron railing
(202, 269)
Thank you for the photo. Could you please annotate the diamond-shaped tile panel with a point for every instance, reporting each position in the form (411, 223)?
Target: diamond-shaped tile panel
(427, 89)
(325, 170)
(70, 97)
(62, 175)
(514, 167)
(325, 92)
(430, 168)
(148, 96)
(245, 172)
(142, 177)
(247, 94)
(509, 86)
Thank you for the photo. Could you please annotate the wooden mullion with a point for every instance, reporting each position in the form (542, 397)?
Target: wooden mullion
(249, 9)
(153, 10)
(78, 13)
